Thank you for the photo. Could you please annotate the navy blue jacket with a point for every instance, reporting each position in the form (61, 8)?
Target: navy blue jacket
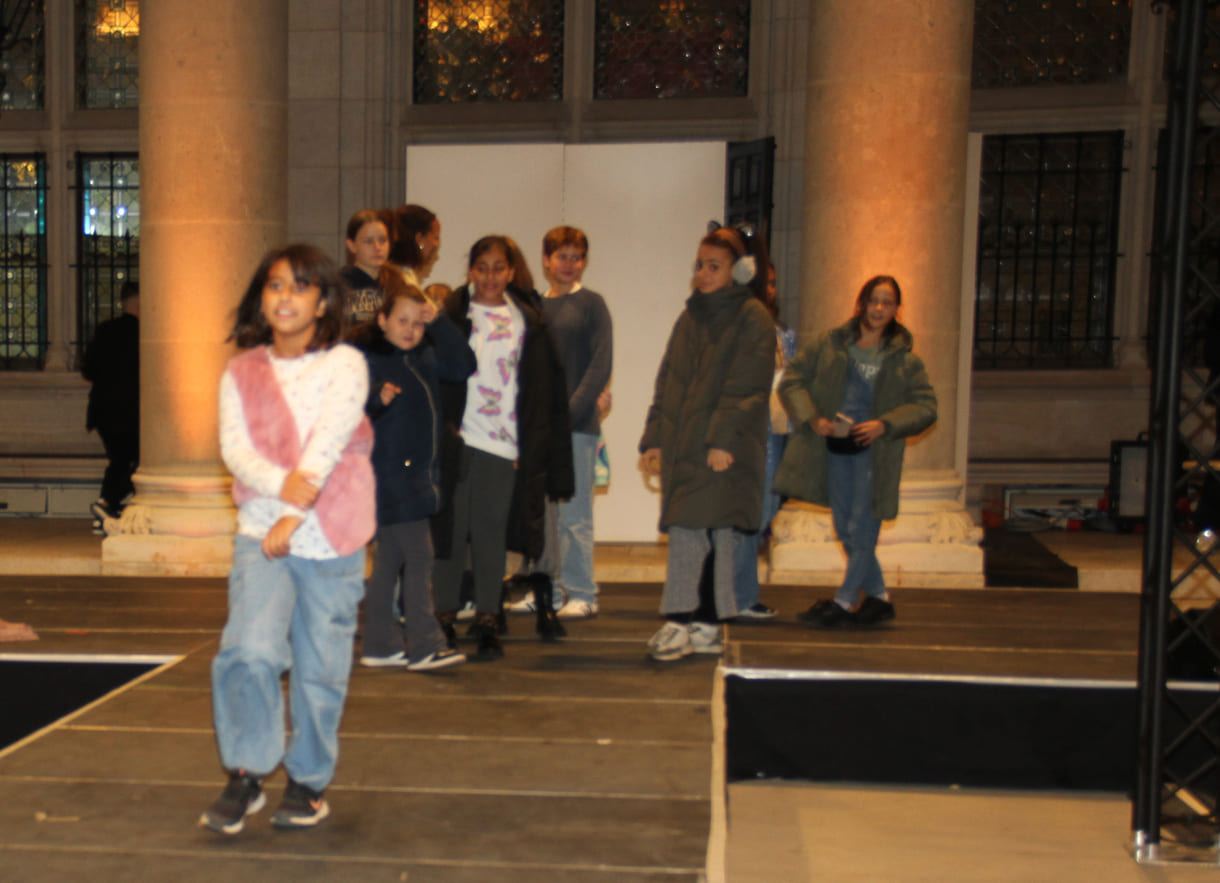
(407, 432)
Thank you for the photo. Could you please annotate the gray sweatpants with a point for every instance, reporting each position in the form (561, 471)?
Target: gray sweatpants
(404, 553)
(688, 548)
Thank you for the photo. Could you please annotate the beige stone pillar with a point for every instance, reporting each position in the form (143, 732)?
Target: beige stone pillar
(885, 176)
(213, 124)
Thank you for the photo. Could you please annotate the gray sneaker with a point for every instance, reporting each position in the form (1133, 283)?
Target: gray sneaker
(672, 641)
(706, 637)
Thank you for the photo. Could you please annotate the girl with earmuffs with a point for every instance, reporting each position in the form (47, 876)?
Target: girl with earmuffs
(706, 436)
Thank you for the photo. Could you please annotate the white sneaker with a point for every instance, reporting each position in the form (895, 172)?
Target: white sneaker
(705, 637)
(467, 612)
(671, 642)
(394, 660)
(578, 609)
(525, 605)
(438, 660)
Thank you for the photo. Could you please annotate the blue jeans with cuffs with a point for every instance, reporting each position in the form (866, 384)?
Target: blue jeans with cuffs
(286, 613)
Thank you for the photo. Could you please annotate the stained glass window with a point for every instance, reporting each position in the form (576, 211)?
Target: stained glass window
(1050, 42)
(107, 53)
(488, 50)
(23, 261)
(671, 49)
(1047, 250)
(23, 56)
(108, 188)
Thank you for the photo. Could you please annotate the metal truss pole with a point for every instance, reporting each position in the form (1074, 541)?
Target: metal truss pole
(1173, 253)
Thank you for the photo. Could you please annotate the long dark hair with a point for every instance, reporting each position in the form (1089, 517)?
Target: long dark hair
(862, 304)
(409, 221)
(310, 266)
(523, 280)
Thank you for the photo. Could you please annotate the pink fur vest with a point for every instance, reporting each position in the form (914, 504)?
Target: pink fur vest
(346, 505)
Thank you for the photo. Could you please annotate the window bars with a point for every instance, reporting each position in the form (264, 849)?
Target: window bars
(108, 245)
(1047, 250)
(23, 261)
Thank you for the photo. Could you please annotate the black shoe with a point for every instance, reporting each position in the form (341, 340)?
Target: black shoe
(99, 510)
(874, 611)
(242, 797)
(489, 647)
(302, 807)
(549, 627)
(827, 614)
(446, 621)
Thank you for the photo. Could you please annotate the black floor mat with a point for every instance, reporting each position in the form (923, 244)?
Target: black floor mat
(1015, 559)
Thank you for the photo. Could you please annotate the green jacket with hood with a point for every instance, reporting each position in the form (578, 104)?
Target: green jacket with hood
(813, 386)
(711, 392)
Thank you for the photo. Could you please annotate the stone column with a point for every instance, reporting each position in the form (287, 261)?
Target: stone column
(213, 124)
(885, 177)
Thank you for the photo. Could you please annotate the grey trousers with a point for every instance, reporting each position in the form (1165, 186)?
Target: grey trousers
(480, 526)
(688, 549)
(404, 555)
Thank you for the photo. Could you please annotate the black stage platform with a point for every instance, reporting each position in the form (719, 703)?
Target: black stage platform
(579, 761)
(995, 688)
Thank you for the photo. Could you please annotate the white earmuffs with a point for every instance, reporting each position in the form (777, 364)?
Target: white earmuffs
(745, 269)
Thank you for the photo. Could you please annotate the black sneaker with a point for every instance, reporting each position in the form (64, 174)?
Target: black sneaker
(99, 510)
(489, 648)
(302, 807)
(827, 614)
(874, 611)
(242, 797)
(757, 610)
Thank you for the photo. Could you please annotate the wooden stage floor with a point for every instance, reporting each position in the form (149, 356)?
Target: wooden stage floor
(580, 761)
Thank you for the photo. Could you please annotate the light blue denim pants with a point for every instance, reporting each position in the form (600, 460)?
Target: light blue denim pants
(285, 613)
(574, 552)
(745, 555)
(849, 480)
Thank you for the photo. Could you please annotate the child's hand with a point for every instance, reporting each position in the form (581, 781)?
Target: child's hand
(652, 461)
(299, 490)
(603, 402)
(388, 392)
(719, 460)
(868, 432)
(279, 538)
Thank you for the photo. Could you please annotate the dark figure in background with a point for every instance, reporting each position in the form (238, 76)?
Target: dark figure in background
(112, 365)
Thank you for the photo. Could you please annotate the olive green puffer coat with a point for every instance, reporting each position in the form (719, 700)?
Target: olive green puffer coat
(711, 392)
(813, 386)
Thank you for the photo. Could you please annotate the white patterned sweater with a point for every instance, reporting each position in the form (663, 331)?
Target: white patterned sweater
(325, 391)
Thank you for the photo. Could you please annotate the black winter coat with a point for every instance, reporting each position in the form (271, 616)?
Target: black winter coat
(544, 438)
(112, 365)
(408, 431)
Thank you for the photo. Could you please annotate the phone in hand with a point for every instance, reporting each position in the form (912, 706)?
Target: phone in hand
(842, 426)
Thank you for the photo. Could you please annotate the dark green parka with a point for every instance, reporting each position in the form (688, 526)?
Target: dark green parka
(711, 392)
(813, 386)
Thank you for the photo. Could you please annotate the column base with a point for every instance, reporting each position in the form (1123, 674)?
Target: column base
(163, 555)
(933, 543)
(180, 522)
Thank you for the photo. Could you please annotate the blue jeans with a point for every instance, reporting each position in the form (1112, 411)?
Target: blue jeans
(745, 555)
(285, 613)
(574, 555)
(850, 488)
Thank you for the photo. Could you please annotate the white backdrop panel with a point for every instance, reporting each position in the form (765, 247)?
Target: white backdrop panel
(644, 208)
(514, 189)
